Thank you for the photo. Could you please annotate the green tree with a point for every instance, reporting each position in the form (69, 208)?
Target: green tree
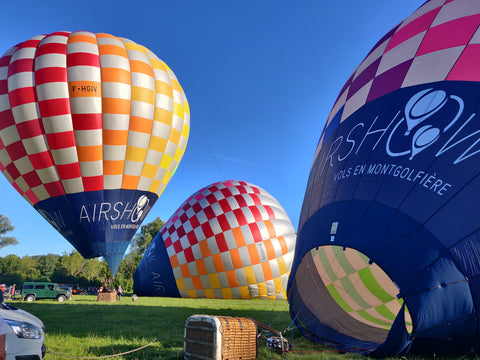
(141, 241)
(5, 227)
(47, 264)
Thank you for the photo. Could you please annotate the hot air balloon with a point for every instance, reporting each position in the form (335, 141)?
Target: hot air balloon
(387, 254)
(229, 240)
(92, 127)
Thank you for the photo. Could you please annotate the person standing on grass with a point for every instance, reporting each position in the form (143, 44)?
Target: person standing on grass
(119, 292)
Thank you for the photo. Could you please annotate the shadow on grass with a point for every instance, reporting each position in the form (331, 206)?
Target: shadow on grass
(125, 323)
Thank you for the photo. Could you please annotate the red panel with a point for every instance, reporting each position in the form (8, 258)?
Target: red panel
(68, 171)
(257, 235)
(61, 140)
(93, 183)
(16, 150)
(467, 66)
(415, 27)
(453, 33)
(221, 243)
(222, 220)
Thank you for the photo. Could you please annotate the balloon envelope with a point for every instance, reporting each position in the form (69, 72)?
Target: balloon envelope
(229, 240)
(92, 127)
(388, 243)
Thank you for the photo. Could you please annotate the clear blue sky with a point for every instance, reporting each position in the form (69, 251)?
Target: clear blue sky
(260, 75)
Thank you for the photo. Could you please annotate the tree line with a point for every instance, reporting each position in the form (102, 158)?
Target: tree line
(73, 269)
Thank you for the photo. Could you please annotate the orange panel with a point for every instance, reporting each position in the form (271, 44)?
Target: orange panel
(204, 248)
(271, 229)
(218, 262)
(237, 234)
(140, 124)
(267, 271)
(197, 283)
(109, 49)
(202, 269)
(115, 106)
(113, 167)
(236, 259)
(270, 249)
(82, 38)
(283, 244)
(174, 261)
(141, 67)
(130, 181)
(252, 251)
(185, 271)
(116, 75)
(115, 137)
(89, 153)
(232, 278)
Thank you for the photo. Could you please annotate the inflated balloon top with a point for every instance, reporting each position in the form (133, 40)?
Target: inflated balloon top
(229, 240)
(388, 242)
(92, 127)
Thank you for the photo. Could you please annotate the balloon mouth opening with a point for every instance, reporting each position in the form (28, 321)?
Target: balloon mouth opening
(350, 294)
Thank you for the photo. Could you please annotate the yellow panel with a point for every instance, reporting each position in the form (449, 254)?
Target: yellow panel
(214, 281)
(192, 294)
(157, 143)
(178, 154)
(227, 293)
(161, 87)
(162, 115)
(250, 275)
(278, 285)
(174, 136)
(209, 294)
(180, 284)
(143, 95)
(282, 267)
(166, 161)
(135, 154)
(244, 292)
(178, 110)
(149, 170)
(262, 289)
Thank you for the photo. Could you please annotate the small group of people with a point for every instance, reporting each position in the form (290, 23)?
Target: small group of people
(119, 290)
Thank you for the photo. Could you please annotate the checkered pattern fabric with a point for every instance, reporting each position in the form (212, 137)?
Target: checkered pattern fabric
(362, 289)
(85, 112)
(440, 41)
(230, 240)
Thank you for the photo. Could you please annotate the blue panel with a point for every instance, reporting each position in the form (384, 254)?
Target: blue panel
(154, 275)
(400, 183)
(99, 223)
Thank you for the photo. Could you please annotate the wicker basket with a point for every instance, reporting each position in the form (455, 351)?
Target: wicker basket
(220, 338)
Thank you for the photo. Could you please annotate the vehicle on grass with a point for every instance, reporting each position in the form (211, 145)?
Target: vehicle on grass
(32, 291)
(25, 333)
(75, 290)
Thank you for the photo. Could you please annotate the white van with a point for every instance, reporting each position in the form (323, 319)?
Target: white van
(25, 333)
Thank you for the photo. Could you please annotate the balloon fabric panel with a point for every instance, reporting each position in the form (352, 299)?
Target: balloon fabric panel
(395, 179)
(96, 120)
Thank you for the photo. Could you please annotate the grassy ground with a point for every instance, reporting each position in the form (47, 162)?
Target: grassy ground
(84, 327)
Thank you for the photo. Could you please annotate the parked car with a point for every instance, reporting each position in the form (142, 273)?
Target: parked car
(25, 333)
(32, 291)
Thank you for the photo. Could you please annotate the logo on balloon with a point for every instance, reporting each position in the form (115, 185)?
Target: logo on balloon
(429, 117)
(422, 106)
(140, 209)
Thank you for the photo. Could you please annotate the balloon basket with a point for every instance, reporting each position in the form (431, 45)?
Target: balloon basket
(220, 338)
(107, 296)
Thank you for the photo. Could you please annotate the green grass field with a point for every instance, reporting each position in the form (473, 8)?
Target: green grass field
(83, 327)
